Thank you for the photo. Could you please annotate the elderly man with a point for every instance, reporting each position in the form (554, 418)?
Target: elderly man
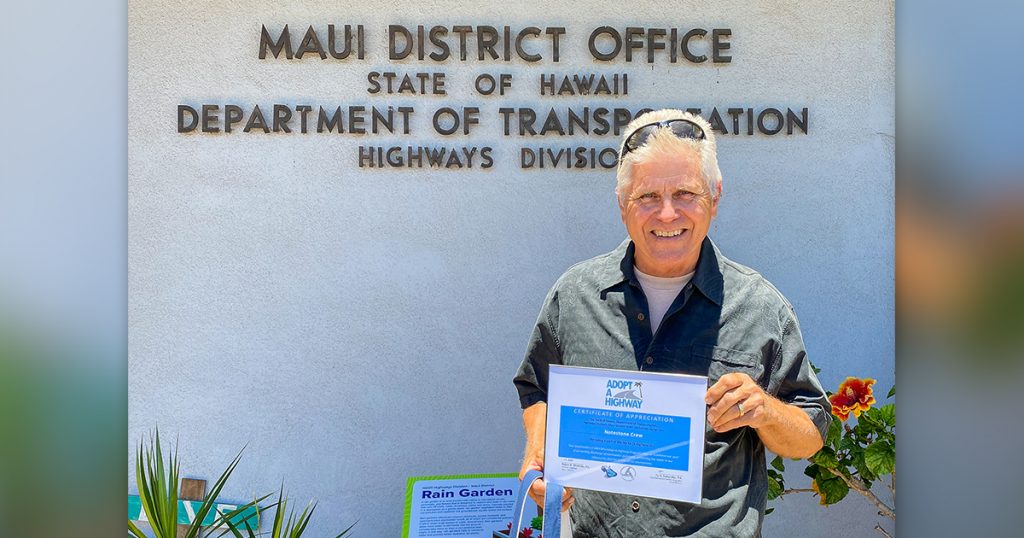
(666, 300)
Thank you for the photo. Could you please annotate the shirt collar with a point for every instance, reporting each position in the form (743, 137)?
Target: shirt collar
(707, 277)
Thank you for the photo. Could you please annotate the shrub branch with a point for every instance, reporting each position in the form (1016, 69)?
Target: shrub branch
(860, 487)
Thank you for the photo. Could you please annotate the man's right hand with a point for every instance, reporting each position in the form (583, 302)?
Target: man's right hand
(534, 418)
(539, 487)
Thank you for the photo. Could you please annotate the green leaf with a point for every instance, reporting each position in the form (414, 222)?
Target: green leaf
(286, 523)
(158, 488)
(887, 414)
(344, 532)
(227, 519)
(862, 468)
(302, 521)
(279, 514)
(892, 392)
(778, 464)
(774, 488)
(815, 368)
(778, 477)
(835, 433)
(811, 471)
(870, 420)
(768, 511)
(880, 458)
(235, 532)
(211, 498)
(848, 443)
(826, 457)
(135, 531)
(833, 489)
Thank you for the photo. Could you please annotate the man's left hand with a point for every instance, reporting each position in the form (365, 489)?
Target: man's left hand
(736, 401)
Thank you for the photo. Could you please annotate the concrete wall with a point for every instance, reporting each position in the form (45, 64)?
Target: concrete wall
(355, 327)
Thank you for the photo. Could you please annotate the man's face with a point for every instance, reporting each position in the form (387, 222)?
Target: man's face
(667, 212)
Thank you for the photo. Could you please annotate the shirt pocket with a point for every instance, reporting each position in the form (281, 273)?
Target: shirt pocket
(723, 360)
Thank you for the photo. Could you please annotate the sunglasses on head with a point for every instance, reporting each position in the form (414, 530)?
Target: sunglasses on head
(679, 127)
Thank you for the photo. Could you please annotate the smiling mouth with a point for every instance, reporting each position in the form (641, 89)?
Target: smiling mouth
(667, 233)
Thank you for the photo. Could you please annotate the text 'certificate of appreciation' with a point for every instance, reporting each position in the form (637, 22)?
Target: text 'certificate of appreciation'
(635, 433)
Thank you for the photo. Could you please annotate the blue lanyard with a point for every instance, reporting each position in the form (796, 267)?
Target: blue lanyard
(552, 506)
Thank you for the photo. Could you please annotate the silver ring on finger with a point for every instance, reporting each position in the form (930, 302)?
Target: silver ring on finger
(739, 405)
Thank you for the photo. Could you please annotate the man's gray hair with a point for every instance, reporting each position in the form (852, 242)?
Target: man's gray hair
(664, 142)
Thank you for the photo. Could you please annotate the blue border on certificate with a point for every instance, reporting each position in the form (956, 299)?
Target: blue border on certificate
(629, 432)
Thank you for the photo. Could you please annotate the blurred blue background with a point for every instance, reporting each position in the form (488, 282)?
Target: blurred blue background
(960, 268)
(63, 270)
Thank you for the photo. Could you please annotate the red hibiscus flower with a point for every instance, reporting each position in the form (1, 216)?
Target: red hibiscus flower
(854, 396)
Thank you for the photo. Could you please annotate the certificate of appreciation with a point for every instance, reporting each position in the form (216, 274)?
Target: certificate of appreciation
(629, 432)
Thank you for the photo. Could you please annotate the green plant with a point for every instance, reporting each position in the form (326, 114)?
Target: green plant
(853, 457)
(537, 523)
(292, 527)
(158, 492)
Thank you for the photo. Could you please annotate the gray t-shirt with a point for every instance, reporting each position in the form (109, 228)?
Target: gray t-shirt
(728, 318)
(660, 292)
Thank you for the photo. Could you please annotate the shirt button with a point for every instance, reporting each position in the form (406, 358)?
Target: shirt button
(640, 316)
(635, 506)
(649, 360)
